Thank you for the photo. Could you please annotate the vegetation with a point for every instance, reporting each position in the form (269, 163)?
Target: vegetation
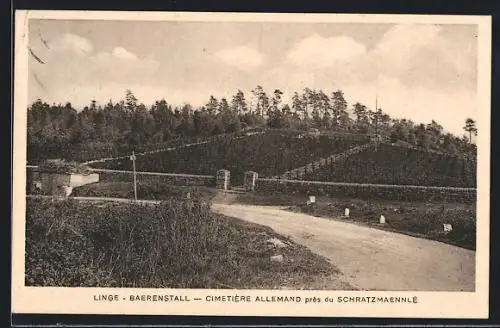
(149, 191)
(400, 166)
(98, 131)
(268, 154)
(171, 245)
(61, 166)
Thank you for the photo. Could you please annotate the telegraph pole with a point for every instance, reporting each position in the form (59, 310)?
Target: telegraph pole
(376, 115)
(376, 122)
(135, 178)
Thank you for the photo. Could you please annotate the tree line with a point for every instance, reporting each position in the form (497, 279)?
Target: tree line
(130, 123)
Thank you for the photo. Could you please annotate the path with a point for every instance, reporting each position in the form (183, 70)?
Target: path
(370, 259)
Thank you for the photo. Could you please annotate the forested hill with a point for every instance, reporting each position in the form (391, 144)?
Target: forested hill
(128, 124)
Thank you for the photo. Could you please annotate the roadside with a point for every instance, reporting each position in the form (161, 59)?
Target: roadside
(424, 220)
(370, 259)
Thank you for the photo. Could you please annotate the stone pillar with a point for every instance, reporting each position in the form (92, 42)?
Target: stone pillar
(222, 179)
(250, 177)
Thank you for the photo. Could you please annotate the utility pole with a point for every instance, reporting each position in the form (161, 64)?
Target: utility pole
(376, 115)
(135, 178)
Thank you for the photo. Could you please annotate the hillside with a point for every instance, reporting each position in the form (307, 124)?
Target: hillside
(268, 154)
(402, 166)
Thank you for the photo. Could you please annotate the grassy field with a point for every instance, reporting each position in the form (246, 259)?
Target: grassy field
(177, 244)
(418, 219)
(149, 191)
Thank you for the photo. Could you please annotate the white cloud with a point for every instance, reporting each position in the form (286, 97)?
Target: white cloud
(243, 57)
(122, 53)
(407, 37)
(74, 43)
(317, 52)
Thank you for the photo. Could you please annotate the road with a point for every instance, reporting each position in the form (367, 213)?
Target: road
(370, 259)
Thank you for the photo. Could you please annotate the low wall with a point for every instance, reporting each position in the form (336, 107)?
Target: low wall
(372, 191)
(77, 180)
(169, 178)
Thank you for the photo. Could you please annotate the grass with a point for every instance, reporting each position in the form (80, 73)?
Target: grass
(417, 219)
(149, 190)
(176, 244)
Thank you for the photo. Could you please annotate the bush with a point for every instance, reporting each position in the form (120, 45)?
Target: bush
(61, 166)
(127, 245)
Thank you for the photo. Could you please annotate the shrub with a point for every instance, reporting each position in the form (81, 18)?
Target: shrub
(61, 166)
(127, 245)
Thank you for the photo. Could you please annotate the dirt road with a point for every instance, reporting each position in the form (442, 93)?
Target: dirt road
(370, 259)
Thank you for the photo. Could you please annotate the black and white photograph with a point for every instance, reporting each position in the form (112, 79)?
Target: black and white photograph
(199, 161)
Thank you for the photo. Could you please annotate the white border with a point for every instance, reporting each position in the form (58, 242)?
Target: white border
(79, 300)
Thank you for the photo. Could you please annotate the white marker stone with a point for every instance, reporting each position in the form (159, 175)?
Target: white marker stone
(447, 227)
(346, 212)
(312, 199)
(382, 219)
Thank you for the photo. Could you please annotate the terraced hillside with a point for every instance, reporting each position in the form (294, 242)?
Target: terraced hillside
(268, 154)
(401, 166)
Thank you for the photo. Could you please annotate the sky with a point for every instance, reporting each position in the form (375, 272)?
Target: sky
(419, 72)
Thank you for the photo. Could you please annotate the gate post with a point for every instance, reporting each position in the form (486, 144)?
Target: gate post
(222, 179)
(249, 180)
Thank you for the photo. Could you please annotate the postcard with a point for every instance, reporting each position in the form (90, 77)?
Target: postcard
(251, 164)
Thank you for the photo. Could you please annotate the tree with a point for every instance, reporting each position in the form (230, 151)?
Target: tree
(286, 110)
(130, 101)
(323, 103)
(276, 100)
(376, 118)
(339, 106)
(399, 132)
(422, 137)
(223, 105)
(262, 100)
(307, 100)
(238, 102)
(212, 105)
(297, 104)
(470, 127)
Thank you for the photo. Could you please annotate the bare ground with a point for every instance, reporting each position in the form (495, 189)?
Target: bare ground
(370, 259)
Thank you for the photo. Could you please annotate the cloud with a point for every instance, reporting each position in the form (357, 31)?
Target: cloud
(122, 53)
(406, 38)
(243, 57)
(318, 52)
(73, 43)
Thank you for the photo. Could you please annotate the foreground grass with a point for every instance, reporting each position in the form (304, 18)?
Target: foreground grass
(417, 219)
(177, 244)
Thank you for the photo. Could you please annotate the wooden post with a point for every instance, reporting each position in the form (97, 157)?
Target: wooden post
(135, 178)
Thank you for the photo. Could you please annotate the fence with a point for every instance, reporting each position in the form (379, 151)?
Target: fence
(371, 191)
